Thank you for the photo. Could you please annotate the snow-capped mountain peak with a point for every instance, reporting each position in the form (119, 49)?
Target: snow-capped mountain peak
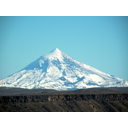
(54, 55)
(56, 70)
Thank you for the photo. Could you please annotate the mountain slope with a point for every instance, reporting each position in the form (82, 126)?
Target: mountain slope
(58, 71)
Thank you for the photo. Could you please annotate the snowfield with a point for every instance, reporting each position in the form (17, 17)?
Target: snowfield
(58, 71)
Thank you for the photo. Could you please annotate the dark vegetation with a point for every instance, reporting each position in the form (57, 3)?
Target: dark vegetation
(20, 91)
(83, 100)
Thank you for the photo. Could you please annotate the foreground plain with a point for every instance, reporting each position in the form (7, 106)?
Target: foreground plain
(83, 100)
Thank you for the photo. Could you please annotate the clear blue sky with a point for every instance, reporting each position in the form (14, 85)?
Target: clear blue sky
(101, 42)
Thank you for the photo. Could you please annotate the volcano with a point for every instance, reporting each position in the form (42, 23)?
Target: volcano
(58, 71)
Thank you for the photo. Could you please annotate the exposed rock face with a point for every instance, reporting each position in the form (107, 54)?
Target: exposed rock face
(66, 103)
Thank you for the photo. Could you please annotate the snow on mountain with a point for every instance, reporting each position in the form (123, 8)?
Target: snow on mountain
(56, 70)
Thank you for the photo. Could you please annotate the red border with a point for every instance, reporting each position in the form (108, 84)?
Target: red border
(64, 8)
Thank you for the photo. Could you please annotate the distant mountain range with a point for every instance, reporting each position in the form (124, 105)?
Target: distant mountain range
(58, 71)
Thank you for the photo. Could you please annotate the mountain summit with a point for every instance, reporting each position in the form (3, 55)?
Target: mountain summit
(54, 55)
(56, 70)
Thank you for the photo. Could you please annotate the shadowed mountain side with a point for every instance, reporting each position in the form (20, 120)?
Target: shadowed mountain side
(20, 91)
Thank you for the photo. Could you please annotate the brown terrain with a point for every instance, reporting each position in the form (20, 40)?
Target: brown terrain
(82, 100)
